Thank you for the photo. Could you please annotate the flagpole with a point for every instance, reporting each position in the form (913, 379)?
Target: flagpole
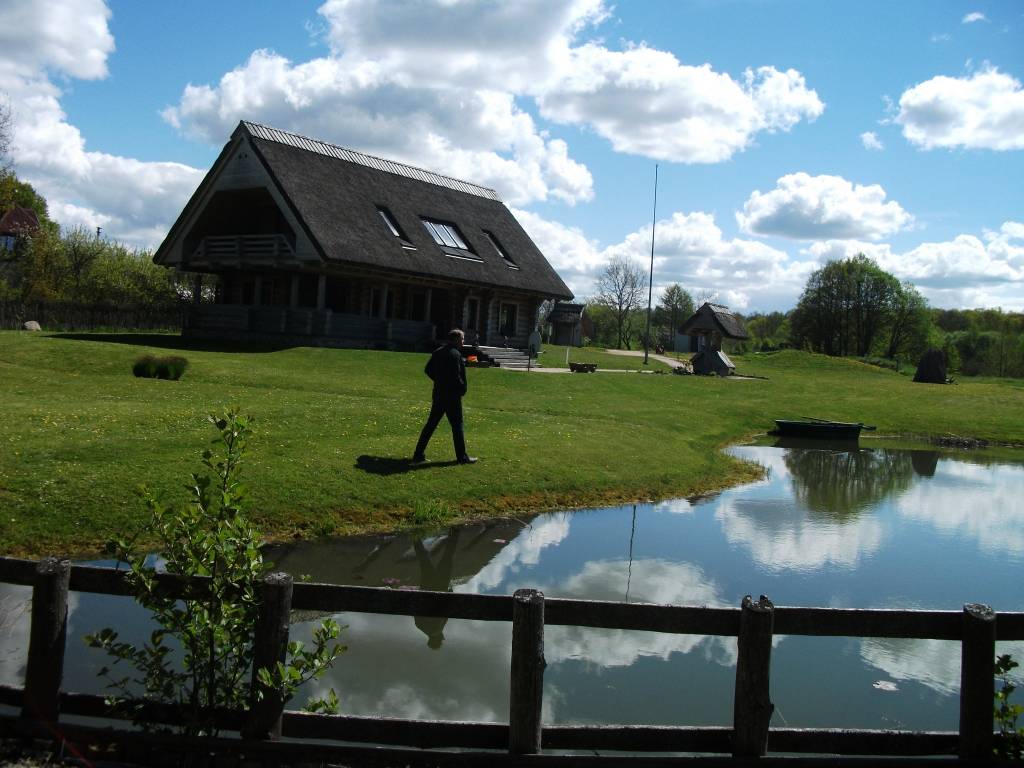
(650, 279)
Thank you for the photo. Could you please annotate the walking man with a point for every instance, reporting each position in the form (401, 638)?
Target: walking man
(447, 370)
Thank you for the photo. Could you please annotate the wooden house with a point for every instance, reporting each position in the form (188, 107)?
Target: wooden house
(316, 244)
(712, 324)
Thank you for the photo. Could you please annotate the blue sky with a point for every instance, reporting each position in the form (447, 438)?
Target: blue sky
(786, 133)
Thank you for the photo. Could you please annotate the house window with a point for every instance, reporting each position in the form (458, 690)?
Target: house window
(501, 251)
(392, 225)
(7, 242)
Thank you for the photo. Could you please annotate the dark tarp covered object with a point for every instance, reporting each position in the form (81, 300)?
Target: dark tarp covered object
(932, 368)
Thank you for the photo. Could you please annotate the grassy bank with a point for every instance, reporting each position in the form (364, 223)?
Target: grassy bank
(79, 433)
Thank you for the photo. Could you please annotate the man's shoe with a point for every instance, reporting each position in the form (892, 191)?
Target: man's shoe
(416, 460)
(467, 460)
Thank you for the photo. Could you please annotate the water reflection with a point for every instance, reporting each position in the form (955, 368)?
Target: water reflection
(840, 482)
(827, 527)
(984, 504)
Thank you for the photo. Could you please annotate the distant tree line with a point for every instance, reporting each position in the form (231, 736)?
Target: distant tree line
(849, 307)
(59, 269)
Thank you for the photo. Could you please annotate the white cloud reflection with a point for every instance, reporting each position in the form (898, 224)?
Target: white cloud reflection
(986, 505)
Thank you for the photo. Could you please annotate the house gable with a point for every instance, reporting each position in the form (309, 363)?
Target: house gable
(238, 217)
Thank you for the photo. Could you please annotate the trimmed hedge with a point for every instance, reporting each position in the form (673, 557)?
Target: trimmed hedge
(152, 367)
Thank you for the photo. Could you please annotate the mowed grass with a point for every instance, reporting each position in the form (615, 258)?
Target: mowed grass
(79, 433)
(553, 356)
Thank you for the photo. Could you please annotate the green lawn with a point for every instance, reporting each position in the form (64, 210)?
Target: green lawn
(79, 432)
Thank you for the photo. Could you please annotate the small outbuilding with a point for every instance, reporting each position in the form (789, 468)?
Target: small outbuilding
(566, 322)
(712, 324)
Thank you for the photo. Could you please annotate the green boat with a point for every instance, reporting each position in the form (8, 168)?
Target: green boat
(820, 428)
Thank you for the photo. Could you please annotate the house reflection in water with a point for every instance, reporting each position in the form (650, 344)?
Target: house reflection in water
(437, 563)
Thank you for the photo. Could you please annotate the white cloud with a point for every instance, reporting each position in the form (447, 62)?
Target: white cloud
(134, 201)
(690, 249)
(967, 271)
(871, 141)
(398, 82)
(646, 102)
(982, 111)
(805, 207)
(943, 37)
(972, 17)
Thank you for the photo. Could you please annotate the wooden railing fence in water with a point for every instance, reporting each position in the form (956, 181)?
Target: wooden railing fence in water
(523, 740)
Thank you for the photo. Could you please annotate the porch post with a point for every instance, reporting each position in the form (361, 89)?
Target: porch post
(426, 304)
(257, 292)
(321, 292)
(293, 298)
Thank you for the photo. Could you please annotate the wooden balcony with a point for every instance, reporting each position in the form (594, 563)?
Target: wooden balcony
(228, 249)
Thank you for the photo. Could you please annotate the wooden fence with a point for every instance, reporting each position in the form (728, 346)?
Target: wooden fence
(74, 316)
(524, 739)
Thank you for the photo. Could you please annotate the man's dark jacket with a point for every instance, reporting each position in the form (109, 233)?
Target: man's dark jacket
(447, 370)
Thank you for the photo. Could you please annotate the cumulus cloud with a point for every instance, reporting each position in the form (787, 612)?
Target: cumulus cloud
(644, 101)
(871, 141)
(398, 82)
(972, 17)
(984, 110)
(134, 201)
(967, 271)
(805, 207)
(690, 249)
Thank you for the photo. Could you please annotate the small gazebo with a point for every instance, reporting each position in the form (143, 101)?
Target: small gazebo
(713, 323)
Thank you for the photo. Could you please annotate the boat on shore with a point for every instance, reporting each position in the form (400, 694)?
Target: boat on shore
(820, 428)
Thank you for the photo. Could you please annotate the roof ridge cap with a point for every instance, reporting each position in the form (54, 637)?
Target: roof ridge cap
(375, 160)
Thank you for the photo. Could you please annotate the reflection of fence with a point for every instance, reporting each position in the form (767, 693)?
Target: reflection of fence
(754, 623)
(73, 316)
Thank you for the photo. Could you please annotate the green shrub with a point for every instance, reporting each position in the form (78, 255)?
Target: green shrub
(152, 367)
(145, 367)
(200, 656)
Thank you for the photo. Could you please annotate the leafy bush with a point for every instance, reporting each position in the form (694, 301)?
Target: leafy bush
(199, 659)
(152, 367)
(1011, 737)
(145, 367)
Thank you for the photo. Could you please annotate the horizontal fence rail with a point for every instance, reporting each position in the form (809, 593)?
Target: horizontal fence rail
(754, 623)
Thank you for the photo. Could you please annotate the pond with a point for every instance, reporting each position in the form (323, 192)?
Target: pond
(828, 526)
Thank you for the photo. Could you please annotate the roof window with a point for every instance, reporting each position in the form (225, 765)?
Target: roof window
(392, 225)
(445, 234)
(501, 251)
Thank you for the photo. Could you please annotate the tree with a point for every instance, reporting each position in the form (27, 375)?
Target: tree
(620, 287)
(6, 128)
(909, 323)
(845, 306)
(677, 305)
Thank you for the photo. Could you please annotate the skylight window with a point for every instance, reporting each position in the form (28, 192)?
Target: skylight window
(392, 225)
(501, 251)
(446, 234)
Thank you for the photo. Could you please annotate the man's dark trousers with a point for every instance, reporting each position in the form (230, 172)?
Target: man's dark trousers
(449, 405)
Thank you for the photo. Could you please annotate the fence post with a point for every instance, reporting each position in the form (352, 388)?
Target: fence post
(752, 707)
(527, 684)
(270, 645)
(977, 670)
(45, 667)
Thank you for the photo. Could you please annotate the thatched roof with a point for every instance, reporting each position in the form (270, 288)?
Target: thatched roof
(714, 317)
(337, 194)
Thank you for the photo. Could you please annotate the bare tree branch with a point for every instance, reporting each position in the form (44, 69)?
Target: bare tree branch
(621, 288)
